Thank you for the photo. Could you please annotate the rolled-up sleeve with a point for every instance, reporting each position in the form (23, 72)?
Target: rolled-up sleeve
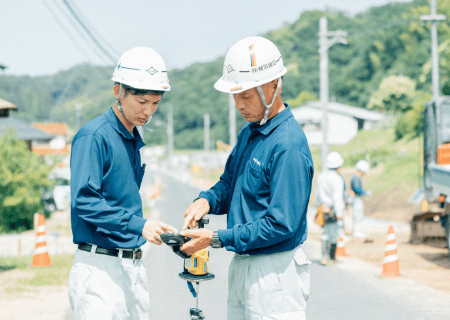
(88, 204)
(290, 187)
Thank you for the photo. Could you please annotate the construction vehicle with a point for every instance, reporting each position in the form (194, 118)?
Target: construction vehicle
(435, 222)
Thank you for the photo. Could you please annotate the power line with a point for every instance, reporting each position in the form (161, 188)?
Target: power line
(92, 28)
(88, 32)
(78, 30)
(66, 30)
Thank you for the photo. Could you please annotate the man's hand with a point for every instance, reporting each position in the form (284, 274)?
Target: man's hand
(195, 212)
(153, 228)
(201, 238)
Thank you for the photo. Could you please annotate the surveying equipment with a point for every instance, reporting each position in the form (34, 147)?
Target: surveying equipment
(196, 266)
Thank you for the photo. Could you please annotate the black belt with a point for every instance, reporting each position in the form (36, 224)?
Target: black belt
(136, 254)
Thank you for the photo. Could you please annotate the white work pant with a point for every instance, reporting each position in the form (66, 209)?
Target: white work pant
(357, 214)
(268, 287)
(103, 287)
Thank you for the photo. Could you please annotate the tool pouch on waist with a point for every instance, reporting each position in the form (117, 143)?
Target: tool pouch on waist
(330, 217)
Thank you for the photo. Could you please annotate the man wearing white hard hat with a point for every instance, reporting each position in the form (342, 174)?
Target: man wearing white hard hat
(264, 191)
(108, 278)
(330, 194)
(362, 168)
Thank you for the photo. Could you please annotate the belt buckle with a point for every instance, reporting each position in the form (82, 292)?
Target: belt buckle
(134, 255)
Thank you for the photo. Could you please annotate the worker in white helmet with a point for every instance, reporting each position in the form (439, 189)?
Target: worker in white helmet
(330, 194)
(264, 190)
(108, 278)
(362, 168)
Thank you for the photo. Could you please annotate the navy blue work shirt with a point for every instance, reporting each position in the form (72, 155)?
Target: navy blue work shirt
(265, 188)
(357, 187)
(106, 175)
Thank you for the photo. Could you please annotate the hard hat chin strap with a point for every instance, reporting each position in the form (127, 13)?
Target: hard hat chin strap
(118, 103)
(263, 99)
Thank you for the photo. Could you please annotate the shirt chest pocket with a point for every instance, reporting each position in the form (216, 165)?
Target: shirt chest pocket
(254, 182)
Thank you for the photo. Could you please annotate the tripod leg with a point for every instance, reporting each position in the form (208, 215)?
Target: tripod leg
(196, 304)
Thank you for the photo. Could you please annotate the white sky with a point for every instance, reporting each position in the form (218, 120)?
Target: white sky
(182, 32)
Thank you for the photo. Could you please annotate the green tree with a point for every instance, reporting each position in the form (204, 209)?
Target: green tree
(395, 94)
(411, 121)
(23, 175)
(301, 99)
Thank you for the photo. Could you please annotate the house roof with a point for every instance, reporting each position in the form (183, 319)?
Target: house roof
(355, 112)
(7, 105)
(23, 130)
(55, 128)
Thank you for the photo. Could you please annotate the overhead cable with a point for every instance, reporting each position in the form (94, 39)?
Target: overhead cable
(92, 28)
(77, 18)
(78, 30)
(66, 31)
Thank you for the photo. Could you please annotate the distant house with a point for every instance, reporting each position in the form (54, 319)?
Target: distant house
(22, 129)
(58, 145)
(344, 121)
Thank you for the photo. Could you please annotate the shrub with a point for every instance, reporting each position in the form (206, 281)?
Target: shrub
(23, 176)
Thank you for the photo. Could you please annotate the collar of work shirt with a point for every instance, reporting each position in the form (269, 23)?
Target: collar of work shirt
(271, 124)
(120, 128)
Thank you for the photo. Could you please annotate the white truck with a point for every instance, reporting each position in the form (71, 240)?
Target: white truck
(436, 172)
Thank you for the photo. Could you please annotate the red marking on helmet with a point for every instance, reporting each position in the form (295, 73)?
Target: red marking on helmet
(252, 55)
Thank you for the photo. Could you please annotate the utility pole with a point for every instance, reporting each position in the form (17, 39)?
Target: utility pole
(206, 139)
(78, 108)
(325, 43)
(232, 105)
(170, 132)
(434, 18)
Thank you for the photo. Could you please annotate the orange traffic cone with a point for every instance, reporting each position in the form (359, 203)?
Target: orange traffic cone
(340, 249)
(41, 257)
(390, 261)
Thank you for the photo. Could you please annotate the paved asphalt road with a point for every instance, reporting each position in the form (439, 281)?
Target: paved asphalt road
(349, 291)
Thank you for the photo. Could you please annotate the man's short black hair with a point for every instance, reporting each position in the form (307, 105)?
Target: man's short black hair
(139, 92)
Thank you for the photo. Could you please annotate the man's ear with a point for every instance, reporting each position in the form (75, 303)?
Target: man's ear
(275, 84)
(116, 89)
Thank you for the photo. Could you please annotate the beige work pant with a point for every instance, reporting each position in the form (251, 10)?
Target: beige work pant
(268, 287)
(103, 287)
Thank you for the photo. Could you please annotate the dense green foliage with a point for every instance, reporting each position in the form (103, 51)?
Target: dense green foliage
(382, 42)
(23, 175)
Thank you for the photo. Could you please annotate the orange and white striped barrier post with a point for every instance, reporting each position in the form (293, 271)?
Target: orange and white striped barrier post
(41, 257)
(340, 248)
(391, 267)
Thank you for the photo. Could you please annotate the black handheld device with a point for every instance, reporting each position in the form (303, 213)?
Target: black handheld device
(175, 241)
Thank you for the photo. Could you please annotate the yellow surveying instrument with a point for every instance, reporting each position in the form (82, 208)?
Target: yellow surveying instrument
(196, 266)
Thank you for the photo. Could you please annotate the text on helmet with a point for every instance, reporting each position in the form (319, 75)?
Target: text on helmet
(264, 66)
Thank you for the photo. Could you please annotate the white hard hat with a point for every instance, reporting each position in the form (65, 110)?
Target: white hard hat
(250, 63)
(334, 160)
(363, 166)
(142, 68)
